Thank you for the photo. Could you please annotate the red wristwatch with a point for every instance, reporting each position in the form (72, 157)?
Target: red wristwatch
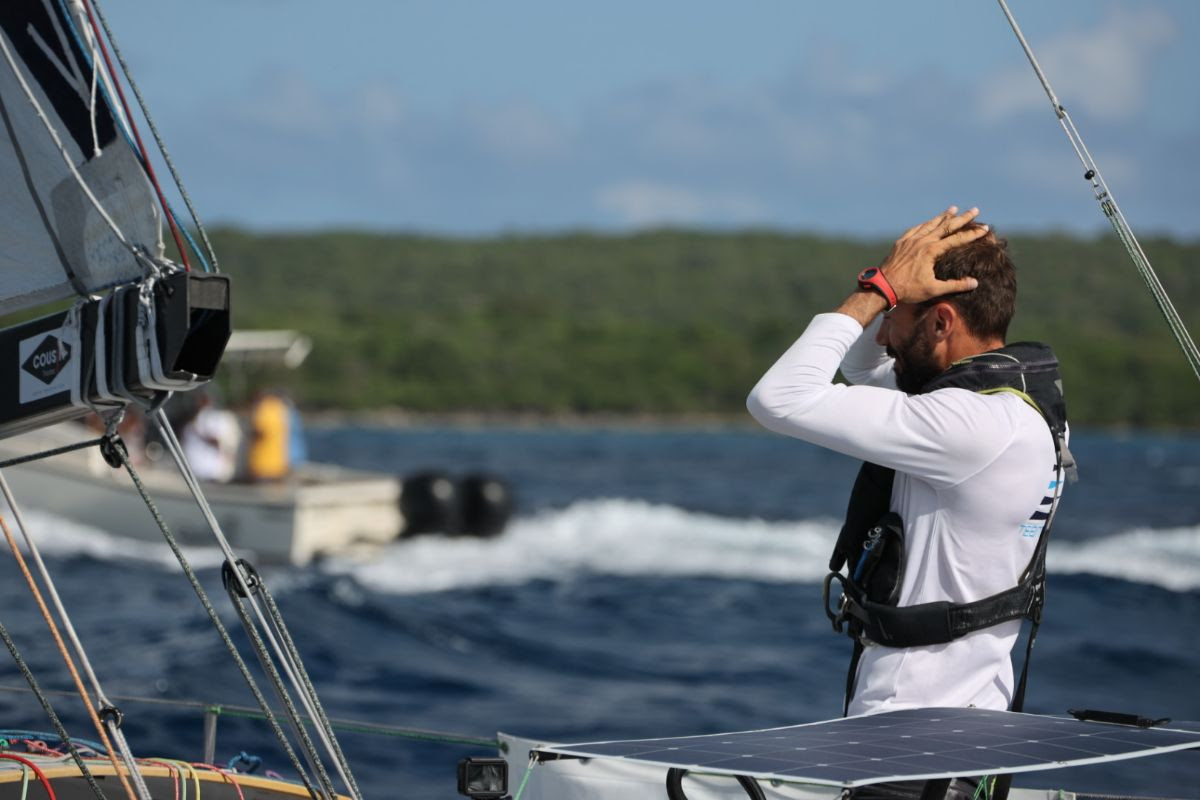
(872, 278)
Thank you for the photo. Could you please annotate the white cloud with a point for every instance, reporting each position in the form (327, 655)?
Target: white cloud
(830, 143)
(285, 102)
(379, 107)
(519, 131)
(1102, 71)
(643, 202)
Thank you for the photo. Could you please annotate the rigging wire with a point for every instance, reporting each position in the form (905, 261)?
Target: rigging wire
(87, 44)
(138, 137)
(264, 659)
(1112, 211)
(162, 146)
(120, 453)
(55, 722)
(248, 712)
(309, 699)
(52, 590)
(130, 767)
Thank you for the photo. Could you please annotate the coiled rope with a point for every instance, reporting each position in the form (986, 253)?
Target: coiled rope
(29, 765)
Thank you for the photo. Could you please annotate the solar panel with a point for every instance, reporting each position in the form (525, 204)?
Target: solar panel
(911, 744)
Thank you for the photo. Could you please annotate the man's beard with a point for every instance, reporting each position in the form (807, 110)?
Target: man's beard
(915, 364)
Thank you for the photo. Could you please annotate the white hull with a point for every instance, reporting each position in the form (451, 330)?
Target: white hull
(323, 510)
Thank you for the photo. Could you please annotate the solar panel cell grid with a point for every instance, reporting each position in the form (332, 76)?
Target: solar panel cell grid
(899, 745)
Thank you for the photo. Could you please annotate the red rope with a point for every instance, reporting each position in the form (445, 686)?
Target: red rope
(172, 770)
(138, 138)
(36, 771)
(224, 773)
(41, 748)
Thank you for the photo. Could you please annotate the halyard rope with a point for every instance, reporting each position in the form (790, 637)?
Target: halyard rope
(12, 462)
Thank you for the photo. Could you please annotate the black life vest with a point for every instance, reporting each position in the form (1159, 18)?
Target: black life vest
(871, 542)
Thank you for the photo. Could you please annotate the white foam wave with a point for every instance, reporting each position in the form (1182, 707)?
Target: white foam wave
(58, 536)
(630, 537)
(1169, 557)
(617, 537)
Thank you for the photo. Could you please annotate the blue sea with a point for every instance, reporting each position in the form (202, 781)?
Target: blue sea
(652, 583)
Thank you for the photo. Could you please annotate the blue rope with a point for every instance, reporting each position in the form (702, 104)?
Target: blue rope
(49, 737)
(251, 762)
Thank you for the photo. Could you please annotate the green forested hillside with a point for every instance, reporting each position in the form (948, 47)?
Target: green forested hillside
(664, 322)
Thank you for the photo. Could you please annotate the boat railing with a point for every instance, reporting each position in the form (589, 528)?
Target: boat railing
(212, 712)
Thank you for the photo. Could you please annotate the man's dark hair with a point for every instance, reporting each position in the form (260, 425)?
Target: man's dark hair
(989, 307)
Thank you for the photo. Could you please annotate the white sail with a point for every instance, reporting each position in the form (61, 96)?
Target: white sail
(68, 175)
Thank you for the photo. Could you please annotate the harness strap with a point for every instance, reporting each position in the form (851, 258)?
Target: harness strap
(941, 621)
(852, 676)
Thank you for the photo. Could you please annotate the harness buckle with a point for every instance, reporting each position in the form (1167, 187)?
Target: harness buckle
(838, 618)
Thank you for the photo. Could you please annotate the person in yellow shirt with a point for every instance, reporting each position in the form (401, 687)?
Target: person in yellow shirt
(267, 455)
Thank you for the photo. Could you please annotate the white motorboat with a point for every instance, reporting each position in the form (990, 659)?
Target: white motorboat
(318, 510)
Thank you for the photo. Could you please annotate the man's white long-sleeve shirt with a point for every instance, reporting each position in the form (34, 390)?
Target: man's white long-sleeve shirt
(971, 471)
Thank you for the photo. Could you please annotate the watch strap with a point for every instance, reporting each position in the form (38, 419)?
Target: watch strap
(872, 278)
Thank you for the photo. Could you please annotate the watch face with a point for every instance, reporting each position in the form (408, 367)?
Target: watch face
(867, 274)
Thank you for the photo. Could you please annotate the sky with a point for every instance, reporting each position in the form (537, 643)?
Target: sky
(853, 118)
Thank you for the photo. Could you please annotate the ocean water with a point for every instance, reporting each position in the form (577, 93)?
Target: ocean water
(652, 583)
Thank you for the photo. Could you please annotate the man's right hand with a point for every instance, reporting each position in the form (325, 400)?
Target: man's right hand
(909, 267)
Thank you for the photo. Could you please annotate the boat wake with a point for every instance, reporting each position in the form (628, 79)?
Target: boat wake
(631, 538)
(634, 538)
(58, 537)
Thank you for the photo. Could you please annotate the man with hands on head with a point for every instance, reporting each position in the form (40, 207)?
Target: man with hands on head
(965, 443)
